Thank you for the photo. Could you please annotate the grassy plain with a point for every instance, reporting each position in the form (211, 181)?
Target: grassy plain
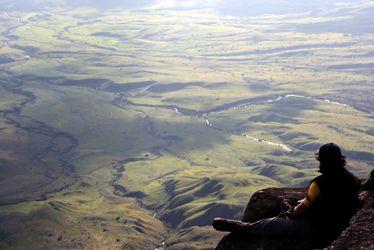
(133, 129)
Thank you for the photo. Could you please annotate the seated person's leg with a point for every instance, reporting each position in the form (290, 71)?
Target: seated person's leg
(270, 226)
(281, 226)
(226, 225)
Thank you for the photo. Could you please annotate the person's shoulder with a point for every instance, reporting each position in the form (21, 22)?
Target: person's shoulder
(319, 179)
(354, 178)
(349, 174)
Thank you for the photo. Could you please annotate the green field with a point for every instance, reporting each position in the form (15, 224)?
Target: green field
(132, 129)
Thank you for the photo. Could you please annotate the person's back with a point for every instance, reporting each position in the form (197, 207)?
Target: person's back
(337, 202)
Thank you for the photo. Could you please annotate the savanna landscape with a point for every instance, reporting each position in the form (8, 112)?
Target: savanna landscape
(132, 126)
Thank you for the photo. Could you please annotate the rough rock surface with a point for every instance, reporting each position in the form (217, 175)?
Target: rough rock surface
(268, 202)
(360, 233)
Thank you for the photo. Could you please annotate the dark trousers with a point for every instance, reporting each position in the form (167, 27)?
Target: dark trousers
(284, 225)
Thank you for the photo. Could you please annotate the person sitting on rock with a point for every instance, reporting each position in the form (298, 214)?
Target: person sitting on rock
(330, 202)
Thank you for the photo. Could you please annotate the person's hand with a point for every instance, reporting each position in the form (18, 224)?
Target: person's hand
(299, 209)
(284, 204)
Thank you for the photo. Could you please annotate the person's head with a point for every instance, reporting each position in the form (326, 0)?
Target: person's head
(330, 158)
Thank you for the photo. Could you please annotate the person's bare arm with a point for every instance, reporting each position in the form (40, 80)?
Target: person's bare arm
(313, 193)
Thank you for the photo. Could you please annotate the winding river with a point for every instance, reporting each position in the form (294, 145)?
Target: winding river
(122, 101)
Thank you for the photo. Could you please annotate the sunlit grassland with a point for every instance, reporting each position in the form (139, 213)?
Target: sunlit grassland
(169, 51)
(87, 214)
(157, 172)
(137, 146)
(305, 124)
(159, 59)
(187, 61)
(9, 100)
(102, 129)
(173, 186)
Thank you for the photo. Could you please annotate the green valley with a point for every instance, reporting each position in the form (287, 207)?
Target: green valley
(132, 128)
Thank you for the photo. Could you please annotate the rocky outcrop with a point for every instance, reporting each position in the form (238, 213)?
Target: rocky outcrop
(269, 202)
(359, 235)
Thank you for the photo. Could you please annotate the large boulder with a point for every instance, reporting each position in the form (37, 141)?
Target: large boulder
(268, 203)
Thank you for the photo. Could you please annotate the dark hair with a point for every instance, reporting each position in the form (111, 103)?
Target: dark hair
(330, 158)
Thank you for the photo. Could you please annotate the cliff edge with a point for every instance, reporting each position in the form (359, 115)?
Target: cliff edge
(268, 203)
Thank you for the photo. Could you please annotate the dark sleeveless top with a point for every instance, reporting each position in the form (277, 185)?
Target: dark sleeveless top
(337, 202)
